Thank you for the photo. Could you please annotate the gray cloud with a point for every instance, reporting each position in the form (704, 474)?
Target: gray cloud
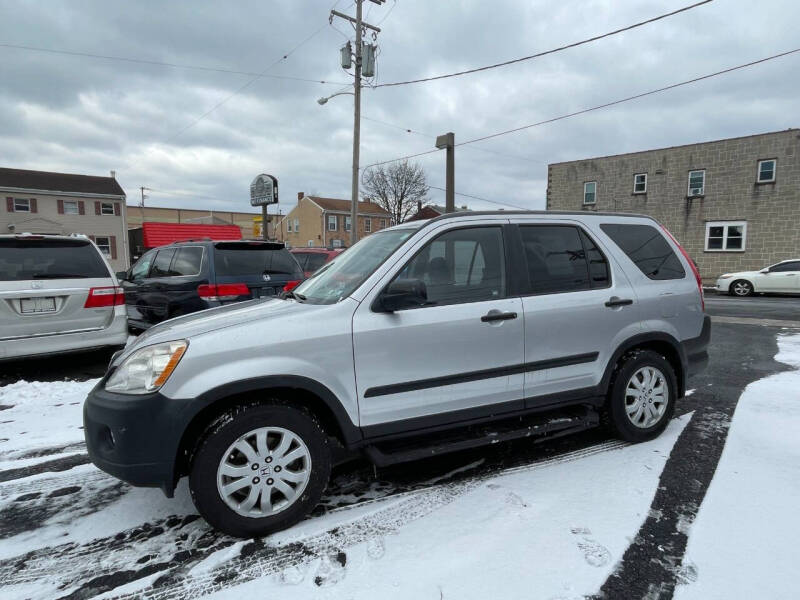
(87, 115)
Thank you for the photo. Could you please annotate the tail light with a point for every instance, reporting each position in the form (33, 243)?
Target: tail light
(291, 285)
(223, 291)
(104, 296)
(692, 265)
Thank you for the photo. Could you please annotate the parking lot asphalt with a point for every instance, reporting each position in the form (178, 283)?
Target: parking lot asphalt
(652, 565)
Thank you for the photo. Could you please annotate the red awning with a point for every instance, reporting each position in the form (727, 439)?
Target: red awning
(160, 234)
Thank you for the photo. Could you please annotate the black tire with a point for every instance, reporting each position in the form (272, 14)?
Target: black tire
(223, 432)
(616, 414)
(742, 284)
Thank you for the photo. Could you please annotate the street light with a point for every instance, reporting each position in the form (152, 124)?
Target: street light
(324, 100)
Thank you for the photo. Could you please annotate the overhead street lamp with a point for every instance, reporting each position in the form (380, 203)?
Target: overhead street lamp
(324, 100)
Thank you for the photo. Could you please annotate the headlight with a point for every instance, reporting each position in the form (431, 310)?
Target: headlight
(725, 276)
(147, 369)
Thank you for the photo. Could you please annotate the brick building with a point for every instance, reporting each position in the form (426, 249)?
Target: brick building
(65, 203)
(325, 222)
(734, 204)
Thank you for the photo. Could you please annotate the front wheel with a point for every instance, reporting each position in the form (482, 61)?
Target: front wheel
(642, 398)
(741, 288)
(259, 469)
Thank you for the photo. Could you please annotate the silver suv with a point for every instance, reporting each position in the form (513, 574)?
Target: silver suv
(57, 294)
(424, 338)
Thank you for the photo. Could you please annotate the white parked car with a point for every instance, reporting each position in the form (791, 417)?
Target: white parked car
(783, 278)
(57, 294)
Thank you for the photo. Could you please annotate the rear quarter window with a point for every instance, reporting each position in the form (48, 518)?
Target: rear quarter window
(22, 260)
(244, 259)
(646, 246)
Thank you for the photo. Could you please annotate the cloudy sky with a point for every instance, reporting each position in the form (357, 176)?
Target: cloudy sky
(60, 112)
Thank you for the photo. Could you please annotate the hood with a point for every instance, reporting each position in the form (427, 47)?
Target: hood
(204, 321)
(741, 274)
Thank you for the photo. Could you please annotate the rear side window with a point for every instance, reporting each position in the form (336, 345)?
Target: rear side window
(242, 259)
(187, 261)
(561, 258)
(22, 260)
(647, 248)
(162, 262)
(315, 261)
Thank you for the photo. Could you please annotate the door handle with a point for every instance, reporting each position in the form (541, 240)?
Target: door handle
(616, 301)
(498, 316)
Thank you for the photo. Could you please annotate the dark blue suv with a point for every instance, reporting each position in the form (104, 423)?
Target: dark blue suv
(185, 277)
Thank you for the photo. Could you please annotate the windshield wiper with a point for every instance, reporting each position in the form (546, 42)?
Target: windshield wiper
(294, 295)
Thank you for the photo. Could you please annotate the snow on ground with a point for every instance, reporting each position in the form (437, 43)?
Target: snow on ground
(42, 415)
(743, 543)
(559, 529)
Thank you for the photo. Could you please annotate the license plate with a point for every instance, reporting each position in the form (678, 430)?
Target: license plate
(38, 305)
(264, 292)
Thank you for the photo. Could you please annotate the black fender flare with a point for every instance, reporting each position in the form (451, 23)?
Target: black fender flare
(644, 339)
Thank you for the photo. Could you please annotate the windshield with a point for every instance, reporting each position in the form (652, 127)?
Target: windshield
(341, 277)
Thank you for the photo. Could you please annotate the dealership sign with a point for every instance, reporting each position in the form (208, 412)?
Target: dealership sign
(264, 190)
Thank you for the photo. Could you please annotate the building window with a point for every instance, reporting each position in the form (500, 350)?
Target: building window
(766, 170)
(297, 225)
(367, 225)
(640, 183)
(697, 183)
(726, 236)
(337, 243)
(383, 223)
(71, 207)
(104, 244)
(106, 208)
(22, 205)
(347, 223)
(590, 192)
(288, 225)
(333, 222)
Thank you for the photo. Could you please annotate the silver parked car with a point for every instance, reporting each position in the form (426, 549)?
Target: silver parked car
(57, 294)
(425, 338)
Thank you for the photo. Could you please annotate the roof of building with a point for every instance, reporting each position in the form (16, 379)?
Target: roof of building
(160, 234)
(431, 211)
(338, 205)
(743, 137)
(148, 208)
(59, 182)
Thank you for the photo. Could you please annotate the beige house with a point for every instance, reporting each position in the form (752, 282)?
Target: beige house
(249, 223)
(734, 204)
(325, 222)
(64, 203)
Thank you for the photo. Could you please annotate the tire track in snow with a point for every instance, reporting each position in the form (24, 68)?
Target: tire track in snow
(165, 551)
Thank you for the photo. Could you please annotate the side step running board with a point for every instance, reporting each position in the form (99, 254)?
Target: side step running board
(542, 428)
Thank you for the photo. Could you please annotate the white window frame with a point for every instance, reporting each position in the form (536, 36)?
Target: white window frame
(347, 223)
(774, 162)
(725, 225)
(107, 206)
(105, 248)
(383, 223)
(336, 243)
(19, 202)
(288, 225)
(71, 207)
(594, 200)
(297, 225)
(310, 243)
(635, 175)
(689, 187)
(367, 225)
(333, 222)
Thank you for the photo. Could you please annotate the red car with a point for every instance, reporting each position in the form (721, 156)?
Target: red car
(311, 259)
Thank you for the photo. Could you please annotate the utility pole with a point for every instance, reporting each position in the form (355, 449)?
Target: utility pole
(448, 141)
(360, 27)
(141, 206)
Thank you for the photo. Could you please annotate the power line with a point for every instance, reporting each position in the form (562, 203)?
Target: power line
(546, 52)
(166, 64)
(479, 198)
(598, 107)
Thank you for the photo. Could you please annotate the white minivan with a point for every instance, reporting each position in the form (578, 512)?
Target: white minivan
(57, 294)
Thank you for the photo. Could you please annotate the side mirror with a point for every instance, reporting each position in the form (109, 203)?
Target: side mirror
(122, 275)
(765, 271)
(402, 294)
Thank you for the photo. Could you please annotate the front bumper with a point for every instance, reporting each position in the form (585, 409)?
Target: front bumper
(723, 285)
(134, 438)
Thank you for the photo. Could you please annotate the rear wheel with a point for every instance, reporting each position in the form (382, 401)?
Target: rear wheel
(259, 469)
(741, 288)
(642, 398)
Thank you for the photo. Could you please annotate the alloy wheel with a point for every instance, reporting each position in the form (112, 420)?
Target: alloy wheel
(742, 288)
(264, 472)
(646, 397)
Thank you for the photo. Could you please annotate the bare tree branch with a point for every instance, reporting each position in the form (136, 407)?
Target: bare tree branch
(398, 188)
